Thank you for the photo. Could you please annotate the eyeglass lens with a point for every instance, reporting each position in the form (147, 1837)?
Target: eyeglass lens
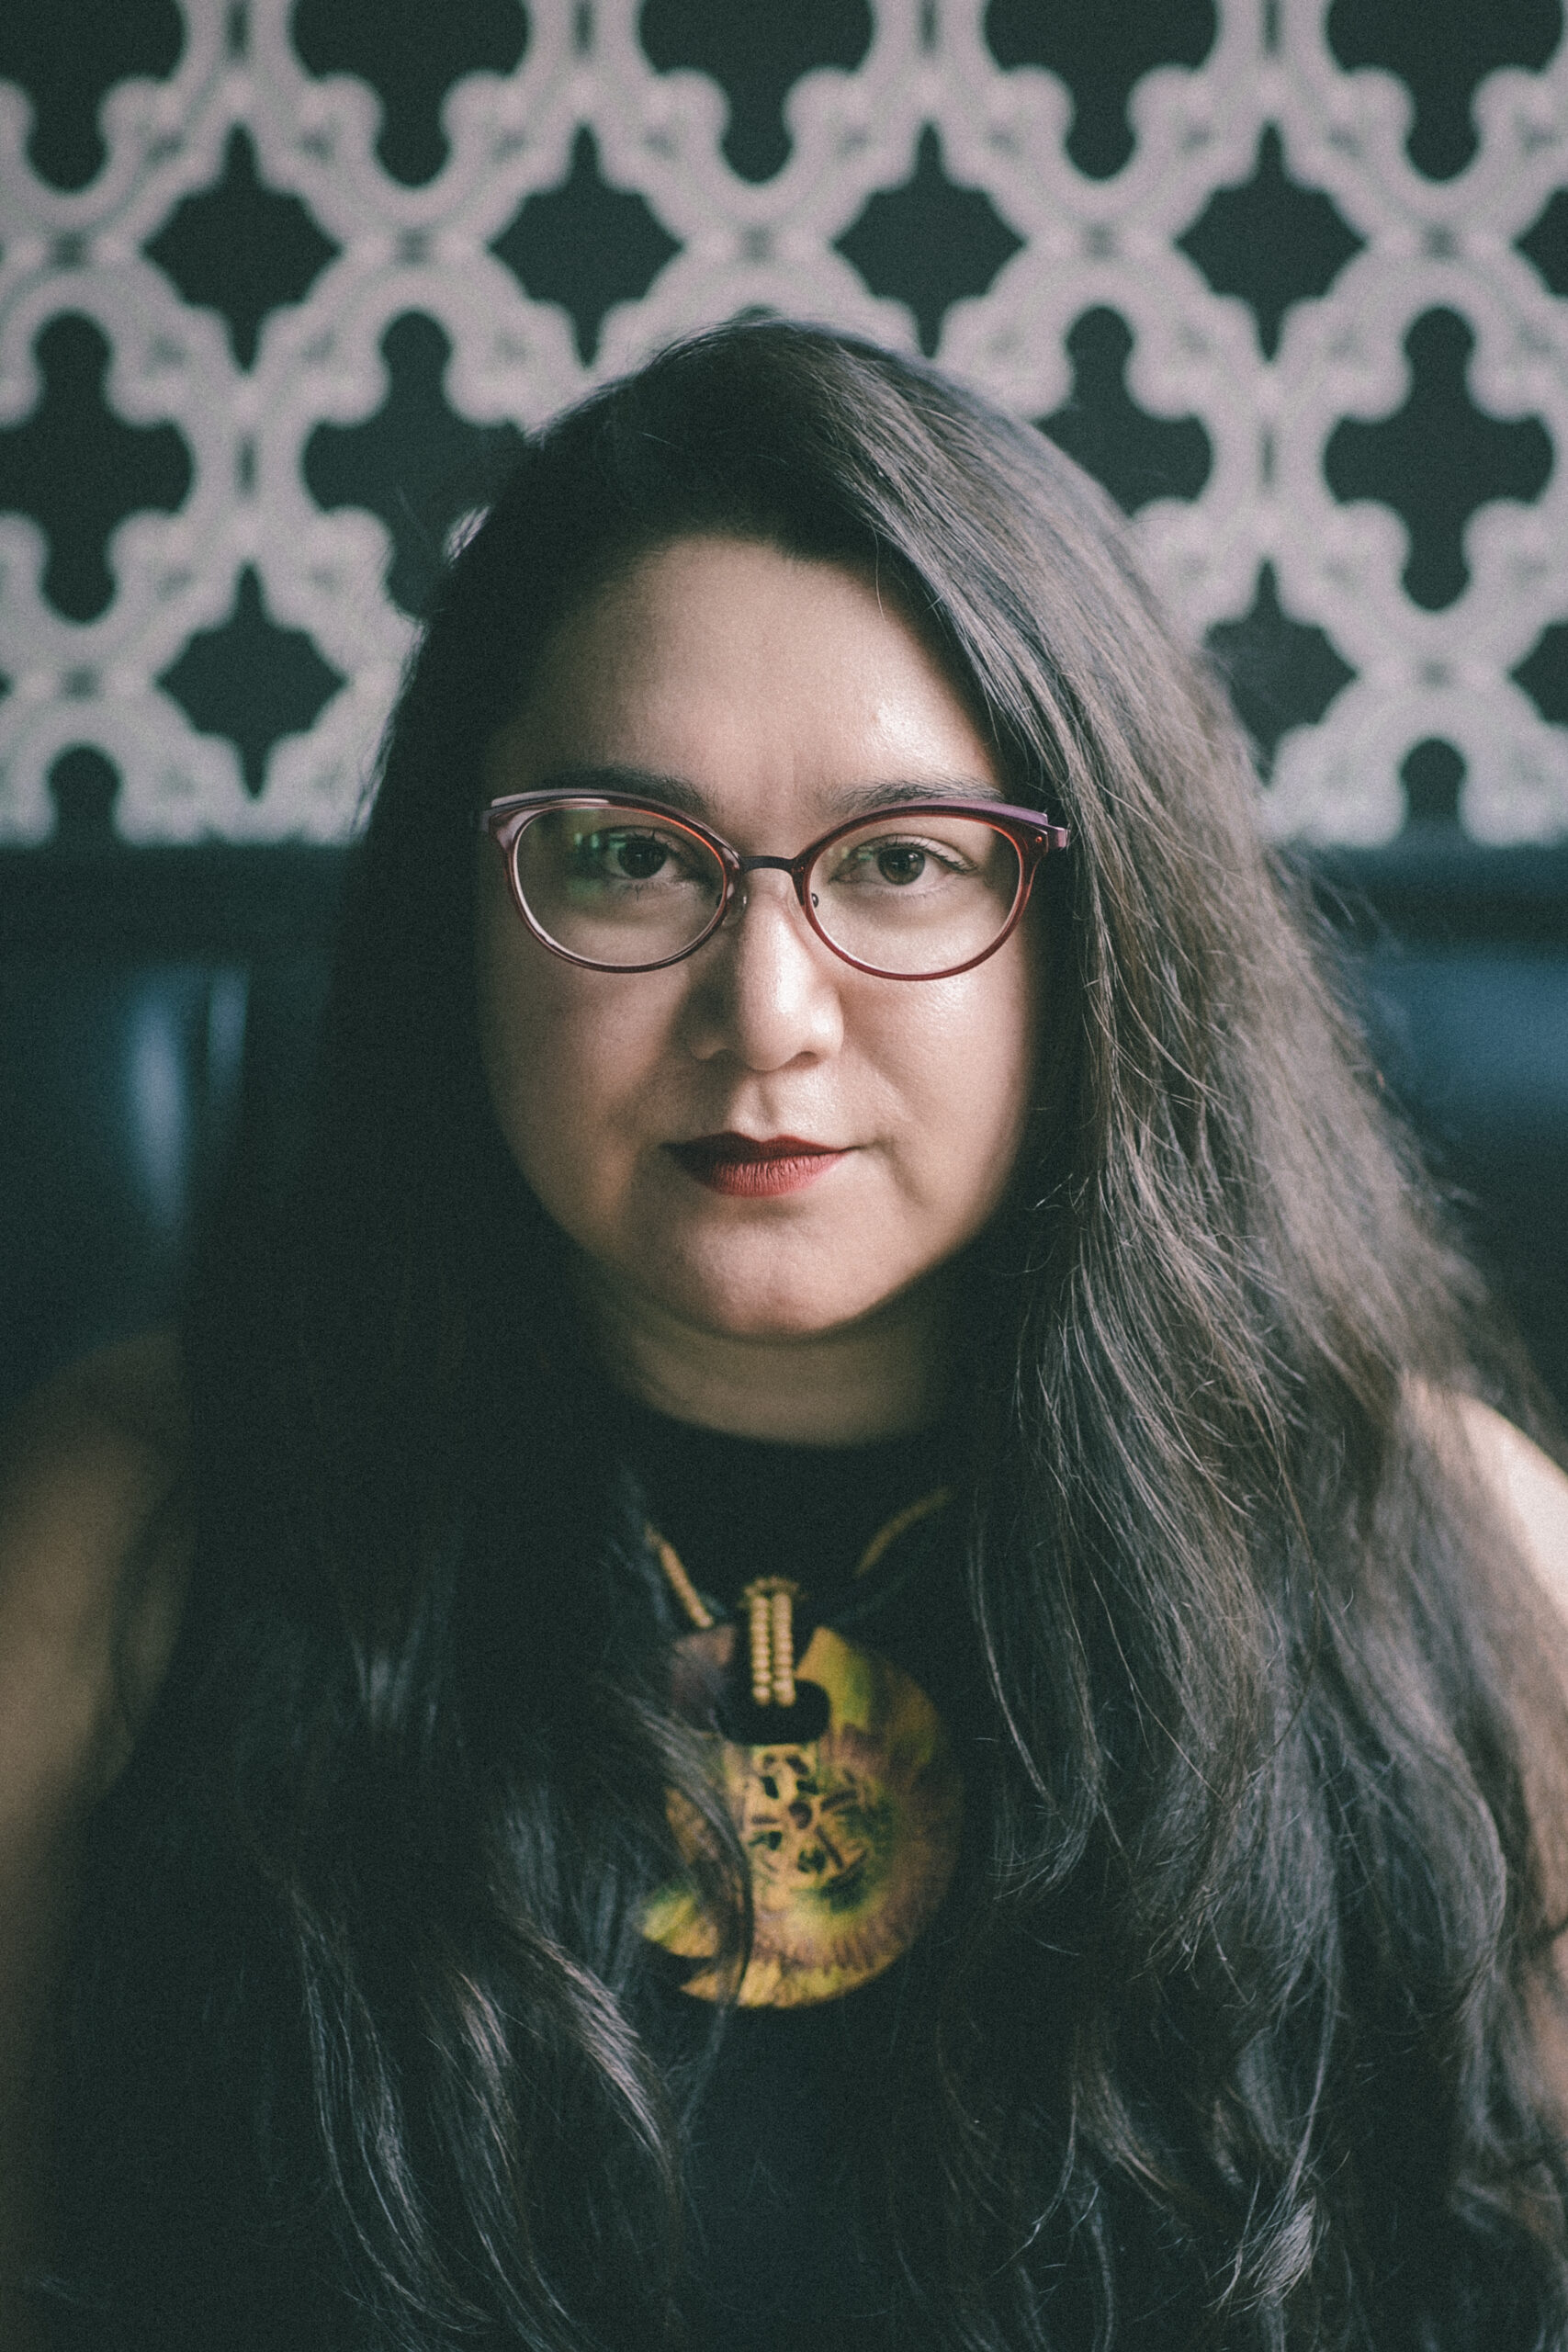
(904, 894)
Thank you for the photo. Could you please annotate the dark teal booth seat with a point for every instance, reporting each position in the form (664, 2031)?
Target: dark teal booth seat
(158, 1010)
(158, 1007)
(1459, 958)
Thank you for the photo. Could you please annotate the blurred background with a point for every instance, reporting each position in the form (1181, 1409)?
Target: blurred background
(281, 284)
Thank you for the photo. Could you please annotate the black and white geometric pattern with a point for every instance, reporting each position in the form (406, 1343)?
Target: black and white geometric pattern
(279, 283)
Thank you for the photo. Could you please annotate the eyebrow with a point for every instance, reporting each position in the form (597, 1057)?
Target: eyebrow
(674, 792)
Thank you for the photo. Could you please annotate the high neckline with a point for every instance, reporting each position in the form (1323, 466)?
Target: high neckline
(737, 1508)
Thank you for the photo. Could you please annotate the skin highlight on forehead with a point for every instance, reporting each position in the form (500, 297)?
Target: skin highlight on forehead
(657, 659)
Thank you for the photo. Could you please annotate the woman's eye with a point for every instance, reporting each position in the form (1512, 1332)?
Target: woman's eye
(639, 856)
(899, 864)
(628, 857)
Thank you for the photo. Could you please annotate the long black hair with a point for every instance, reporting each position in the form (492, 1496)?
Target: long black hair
(1237, 2048)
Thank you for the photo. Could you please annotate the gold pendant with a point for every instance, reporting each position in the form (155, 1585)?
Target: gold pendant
(852, 1836)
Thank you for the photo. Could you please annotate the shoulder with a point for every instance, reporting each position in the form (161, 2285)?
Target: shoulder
(1523, 1483)
(1529, 1494)
(91, 1569)
(93, 1554)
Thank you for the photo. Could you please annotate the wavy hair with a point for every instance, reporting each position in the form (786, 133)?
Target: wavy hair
(1237, 2047)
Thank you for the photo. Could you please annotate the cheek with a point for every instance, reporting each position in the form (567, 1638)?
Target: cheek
(524, 1043)
(559, 1049)
(978, 1078)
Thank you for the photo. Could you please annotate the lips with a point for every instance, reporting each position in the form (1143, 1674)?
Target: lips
(753, 1167)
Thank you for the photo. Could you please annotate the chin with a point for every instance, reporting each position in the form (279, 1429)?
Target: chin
(772, 1305)
(784, 1322)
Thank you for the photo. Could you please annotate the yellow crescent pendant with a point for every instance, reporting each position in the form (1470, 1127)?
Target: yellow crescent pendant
(852, 1836)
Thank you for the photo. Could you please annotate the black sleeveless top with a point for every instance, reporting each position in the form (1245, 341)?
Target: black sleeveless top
(787, 2250)
(785, 2247)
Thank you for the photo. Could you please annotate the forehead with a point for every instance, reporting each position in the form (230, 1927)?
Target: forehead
(762, 682)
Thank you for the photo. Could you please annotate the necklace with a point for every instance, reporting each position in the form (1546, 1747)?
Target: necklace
(840, 1780)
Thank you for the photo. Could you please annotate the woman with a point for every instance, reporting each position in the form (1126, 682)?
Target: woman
(834, 1644)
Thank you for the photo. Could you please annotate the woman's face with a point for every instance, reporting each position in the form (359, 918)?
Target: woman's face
(771, 688)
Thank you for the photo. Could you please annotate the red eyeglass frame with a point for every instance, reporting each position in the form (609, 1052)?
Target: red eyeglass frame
(1032, 835)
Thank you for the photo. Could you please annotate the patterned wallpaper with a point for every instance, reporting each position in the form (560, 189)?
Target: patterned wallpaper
(278, 284)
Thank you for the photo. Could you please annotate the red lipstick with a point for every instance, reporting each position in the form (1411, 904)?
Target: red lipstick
(755, 1167)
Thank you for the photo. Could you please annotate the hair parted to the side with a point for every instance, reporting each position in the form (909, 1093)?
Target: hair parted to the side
(1235, 2048)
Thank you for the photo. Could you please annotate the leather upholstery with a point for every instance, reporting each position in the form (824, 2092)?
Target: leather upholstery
(1473, 1039)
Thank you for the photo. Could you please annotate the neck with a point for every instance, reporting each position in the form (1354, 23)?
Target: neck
(881, 1376)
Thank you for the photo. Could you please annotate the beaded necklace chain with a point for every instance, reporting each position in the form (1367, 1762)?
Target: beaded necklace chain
(768, 1601)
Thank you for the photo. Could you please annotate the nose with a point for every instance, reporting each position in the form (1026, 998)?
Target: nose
(765, 988)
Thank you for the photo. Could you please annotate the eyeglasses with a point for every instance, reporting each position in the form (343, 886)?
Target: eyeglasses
(919, 892)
